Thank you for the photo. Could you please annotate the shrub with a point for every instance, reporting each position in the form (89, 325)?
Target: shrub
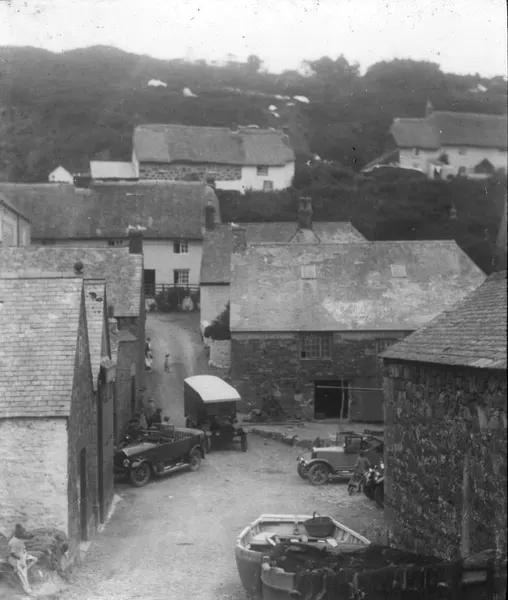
(219, 328)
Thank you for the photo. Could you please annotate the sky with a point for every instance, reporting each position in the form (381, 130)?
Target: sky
(463, 36)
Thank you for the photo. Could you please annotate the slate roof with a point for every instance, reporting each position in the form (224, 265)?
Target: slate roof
(122, 271)
(355, 288)
(472, 333)
(168, 210)
(218, 244)
(451, 129)
(39, 320)
(219, 145)
(106, 169)
(95, 292)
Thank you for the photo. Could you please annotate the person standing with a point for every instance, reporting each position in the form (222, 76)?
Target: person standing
(166, 363)
(150, 412)
(19, 558)
(148, 354)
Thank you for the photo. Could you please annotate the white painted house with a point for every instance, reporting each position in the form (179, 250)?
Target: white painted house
(459, 143)
(60, 175)
(241, 159)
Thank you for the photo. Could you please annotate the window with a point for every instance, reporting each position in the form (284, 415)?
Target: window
(181, 276)
(316, 346)
(267, 185)
(308, 272)
(116, 243)
(383, 344)
(212, 168)
(462, 152)
(398, 270)
(416, 151)
(262, 170)
(181, 247)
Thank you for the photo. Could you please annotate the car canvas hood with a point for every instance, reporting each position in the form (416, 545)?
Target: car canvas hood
(134, 449)
(330, 450)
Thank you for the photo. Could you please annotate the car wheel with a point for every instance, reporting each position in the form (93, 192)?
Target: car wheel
(195, 460)
(244, 444)
(379, 496)
(302, 471)
(140, 476)
(318, 474)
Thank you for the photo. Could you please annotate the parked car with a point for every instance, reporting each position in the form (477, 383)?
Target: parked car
(159, 452)
(339, 461)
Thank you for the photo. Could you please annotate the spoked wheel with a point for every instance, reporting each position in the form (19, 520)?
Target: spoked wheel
(301, 471)
(379, 496)
(244, 444)
(318, 474)
(140, 476)
(195, 460)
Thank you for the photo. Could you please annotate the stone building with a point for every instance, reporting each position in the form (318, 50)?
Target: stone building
(122, 270)
(445, 429)
(308, 321)
(236, 159)
(218, 243)
(47, 432)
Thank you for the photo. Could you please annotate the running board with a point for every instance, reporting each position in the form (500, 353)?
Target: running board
(172, 469)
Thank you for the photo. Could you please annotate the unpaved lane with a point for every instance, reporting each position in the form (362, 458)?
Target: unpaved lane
(175, 538)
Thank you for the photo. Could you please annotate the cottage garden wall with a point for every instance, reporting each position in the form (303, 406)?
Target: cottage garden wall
(434, 416)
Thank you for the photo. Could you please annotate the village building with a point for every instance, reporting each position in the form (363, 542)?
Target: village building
(452, 143)
(309, 321)
(171, 217)
(218, 246)
(122, 270)
(235, 159)
(445, 429)
(47, 432)
(14, 224)
(60, 175)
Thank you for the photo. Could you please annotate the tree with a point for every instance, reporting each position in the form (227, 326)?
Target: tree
(219, 328)
(254, 63)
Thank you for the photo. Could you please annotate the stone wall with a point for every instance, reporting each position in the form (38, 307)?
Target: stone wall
(434, 416)
(262, 363)
(33, 481)
(220, 354)
(181, 172)
(82, 434)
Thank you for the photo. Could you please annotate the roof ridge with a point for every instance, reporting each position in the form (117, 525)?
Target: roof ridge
(465, 114)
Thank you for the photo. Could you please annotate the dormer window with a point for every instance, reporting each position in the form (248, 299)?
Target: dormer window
(262, 170)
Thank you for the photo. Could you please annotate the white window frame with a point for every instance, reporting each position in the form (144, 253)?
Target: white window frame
(268, 185)
(315, 346)
(183, 247)
(118, 243)
(262, 170)
(179, 273)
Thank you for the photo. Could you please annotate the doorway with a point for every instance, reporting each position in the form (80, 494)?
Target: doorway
(149, 281)
(83, 496)
(331, 399)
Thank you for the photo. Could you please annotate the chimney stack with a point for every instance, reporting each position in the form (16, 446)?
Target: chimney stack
(135, 241)
(305, 214)
(209, 216)
(239, 241)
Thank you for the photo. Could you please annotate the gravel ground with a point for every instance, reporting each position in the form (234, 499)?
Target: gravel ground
(175, 538)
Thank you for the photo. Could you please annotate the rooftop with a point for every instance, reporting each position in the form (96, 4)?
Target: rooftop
(363, 286)
(471, 333)
(39, 321)
(169, 143)
(122, 271)
(167, 210)
(218, 244)
(451, 129)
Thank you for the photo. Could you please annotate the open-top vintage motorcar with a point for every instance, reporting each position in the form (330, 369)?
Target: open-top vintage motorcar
(210, 405)
(339, 461)
(158, 452)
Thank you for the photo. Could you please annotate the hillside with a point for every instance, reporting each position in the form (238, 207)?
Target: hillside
(82, 104)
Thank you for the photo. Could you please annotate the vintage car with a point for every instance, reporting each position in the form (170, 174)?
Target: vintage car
(210, 405)
(339, 461)
(158, 452)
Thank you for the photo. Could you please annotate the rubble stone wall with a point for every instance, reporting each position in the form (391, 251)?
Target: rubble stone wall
(434, 416)
(33, 481)
(180, 172)
(261, 362)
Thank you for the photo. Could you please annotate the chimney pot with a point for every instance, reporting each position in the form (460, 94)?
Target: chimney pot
(135, 241)
(209, 216)
(78, 267)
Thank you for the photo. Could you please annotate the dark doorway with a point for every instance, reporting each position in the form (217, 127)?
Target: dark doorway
(149, 280)
(133, 395)
(331, 399)
(83, 496)
(100, 453)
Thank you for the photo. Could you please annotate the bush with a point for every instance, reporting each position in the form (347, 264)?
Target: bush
(219, 330)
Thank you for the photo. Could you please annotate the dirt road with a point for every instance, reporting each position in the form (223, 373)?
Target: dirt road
(175, 538)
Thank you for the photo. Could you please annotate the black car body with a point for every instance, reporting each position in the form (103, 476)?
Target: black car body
(158, 452)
